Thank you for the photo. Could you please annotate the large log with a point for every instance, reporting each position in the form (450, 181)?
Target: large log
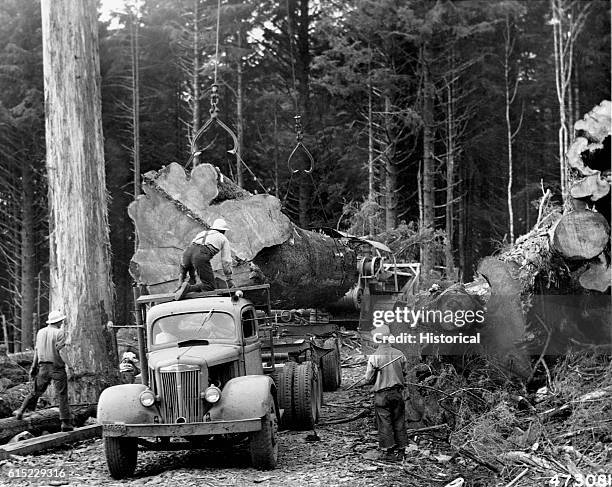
(43, 420)
(304, 268)
(581, 235)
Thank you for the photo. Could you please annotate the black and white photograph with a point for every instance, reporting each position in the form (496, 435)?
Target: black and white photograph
(301, 243)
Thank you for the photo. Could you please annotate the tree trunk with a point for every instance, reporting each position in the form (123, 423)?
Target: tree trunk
(371, 188)
(427, 256)
(450, 174)
(28, 258)
(81, 285)
(134, 38)
(239, 114)
(195, 82)
(390, 172)
(509, 98)
(304, 268)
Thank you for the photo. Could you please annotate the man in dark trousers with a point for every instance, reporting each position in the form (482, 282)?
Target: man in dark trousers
(50, 365)
(387, 385)
(196, 260)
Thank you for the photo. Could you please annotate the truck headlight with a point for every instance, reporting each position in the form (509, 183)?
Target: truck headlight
(212, 394)
(147, 398)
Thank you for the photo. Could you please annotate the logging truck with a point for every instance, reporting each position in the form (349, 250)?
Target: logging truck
(205, 378)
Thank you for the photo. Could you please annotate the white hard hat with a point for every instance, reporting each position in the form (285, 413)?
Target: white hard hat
(56, 317)
(219, 224)
(129, 355)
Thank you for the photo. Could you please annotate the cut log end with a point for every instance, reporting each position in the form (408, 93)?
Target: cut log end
(581, 235)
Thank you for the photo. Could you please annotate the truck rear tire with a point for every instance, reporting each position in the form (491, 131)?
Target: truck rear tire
(121, 456)
(330, 366)
(264, 443)
(306, 395)
(284, 391)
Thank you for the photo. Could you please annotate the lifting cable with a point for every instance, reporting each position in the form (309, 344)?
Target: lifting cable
(214, 114)
(299, 136)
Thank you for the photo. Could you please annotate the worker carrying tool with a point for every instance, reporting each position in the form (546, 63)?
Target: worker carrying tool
(196, 260)
(387, 371)
(50, 364)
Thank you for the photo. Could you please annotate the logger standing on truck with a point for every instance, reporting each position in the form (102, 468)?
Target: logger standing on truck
(50, 365)
(196, 260)
(387, 371)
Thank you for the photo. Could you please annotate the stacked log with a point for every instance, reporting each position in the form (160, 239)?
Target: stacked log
(304, 268)
(558, 275)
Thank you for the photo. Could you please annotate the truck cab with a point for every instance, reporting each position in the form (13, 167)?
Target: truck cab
(204, 379)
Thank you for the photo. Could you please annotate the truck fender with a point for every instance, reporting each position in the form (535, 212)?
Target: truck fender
(244, 397)
(121, 404)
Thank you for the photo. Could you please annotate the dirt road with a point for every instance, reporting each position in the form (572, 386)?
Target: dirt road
(344, 456)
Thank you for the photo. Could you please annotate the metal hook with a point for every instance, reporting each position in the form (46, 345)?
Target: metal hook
(295, 149)
(214, 111)
(299, 136)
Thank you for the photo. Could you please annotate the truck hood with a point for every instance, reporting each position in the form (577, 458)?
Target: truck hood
(209, 355)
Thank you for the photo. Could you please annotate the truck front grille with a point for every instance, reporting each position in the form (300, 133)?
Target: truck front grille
(180, 396)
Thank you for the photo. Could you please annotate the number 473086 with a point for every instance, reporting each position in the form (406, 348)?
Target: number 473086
(589, 480)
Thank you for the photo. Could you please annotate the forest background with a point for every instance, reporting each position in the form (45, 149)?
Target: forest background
(434, 125)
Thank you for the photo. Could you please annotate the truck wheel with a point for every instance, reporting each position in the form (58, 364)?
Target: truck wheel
(306, 395)
(264, 443)
(121, 456)
(284, 391)
(330, 365)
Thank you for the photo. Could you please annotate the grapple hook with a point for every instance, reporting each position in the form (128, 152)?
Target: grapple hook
(299, 136)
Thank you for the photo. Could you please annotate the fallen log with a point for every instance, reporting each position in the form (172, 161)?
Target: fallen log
(33, 445)
(581, 235)
(43, 420)
(13, 397)
(22, 358)
(304, 268)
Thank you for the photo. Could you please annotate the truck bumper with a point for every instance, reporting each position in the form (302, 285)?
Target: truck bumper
(183, 429)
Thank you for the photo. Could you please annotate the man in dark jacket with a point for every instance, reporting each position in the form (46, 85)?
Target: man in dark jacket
(50, 365)
(387, 371)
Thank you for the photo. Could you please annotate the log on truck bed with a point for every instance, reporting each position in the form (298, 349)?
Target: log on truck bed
(304, 268)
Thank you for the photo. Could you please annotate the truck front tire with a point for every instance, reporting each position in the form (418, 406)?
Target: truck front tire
(121, 456)
(264, 443)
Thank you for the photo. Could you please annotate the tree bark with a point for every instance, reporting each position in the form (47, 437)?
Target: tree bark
(81, 284)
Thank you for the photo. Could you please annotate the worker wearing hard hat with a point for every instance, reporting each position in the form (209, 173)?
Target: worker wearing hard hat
(196, 259)
(49, 365)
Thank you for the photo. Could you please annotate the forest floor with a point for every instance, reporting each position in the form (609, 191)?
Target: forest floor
(346, 455)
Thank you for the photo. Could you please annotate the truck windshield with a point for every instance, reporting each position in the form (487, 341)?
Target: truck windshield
(206, 325)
